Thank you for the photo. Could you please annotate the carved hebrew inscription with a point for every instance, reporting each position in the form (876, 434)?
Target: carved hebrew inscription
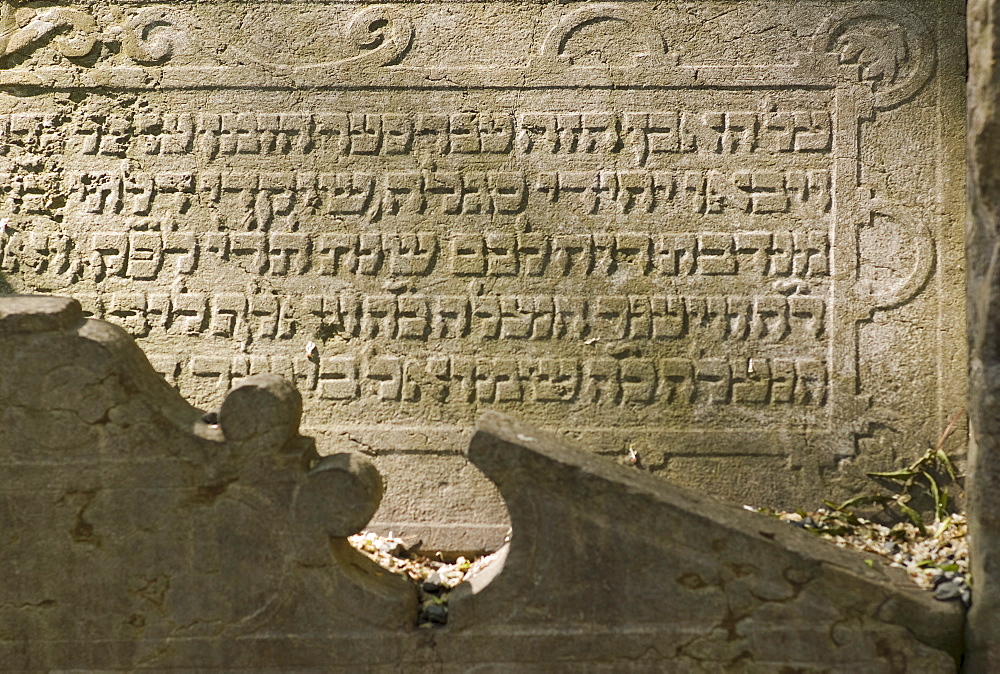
(609, 227)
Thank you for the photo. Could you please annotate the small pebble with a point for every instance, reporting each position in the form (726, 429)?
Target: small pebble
(433, 583)
(436, 613)
(390, 547)
(942, 577)
(966, 596)
(947, 591)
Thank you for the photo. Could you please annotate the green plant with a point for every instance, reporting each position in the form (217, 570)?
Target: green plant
(925, 473)
(936, 560)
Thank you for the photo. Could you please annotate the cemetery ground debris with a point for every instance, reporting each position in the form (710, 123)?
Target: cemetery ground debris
(935, 558)
(934, 555)
(435, 578)
(932, 558)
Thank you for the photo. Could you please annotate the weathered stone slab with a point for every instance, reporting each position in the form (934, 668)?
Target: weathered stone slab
(723, 236)
(624, 554)
(138, 534)
(983, 245)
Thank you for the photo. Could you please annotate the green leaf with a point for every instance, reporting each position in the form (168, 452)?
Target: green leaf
(832, 531)
(898, 534)
(946, 462)
(940, 502)
(914, 516)
(857, 501)
(904, 474)
(943, 526)
(923, 460)
(931, 564)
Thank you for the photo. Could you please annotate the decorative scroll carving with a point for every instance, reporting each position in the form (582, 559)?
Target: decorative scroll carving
(155, 35)
(879, 298)
(892, 51)
(73, 33)
(555, 43)
(379, 36)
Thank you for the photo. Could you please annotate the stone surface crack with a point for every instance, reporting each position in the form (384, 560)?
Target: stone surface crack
(364, 447)
(209, 494)
(82, 531)
(43, 603)
(153, 590)
(218, 626)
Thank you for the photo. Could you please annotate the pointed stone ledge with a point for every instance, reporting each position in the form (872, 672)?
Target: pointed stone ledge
(638, 563)
(30, 313)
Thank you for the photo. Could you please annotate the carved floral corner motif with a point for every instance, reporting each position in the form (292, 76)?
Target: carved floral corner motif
(891, 50)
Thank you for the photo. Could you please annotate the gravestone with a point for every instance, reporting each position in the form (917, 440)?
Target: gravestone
(983, 633)
(141, 534)
(722, 238)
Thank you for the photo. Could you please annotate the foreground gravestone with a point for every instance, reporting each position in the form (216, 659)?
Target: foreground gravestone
(722, 237)
(142, 534)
